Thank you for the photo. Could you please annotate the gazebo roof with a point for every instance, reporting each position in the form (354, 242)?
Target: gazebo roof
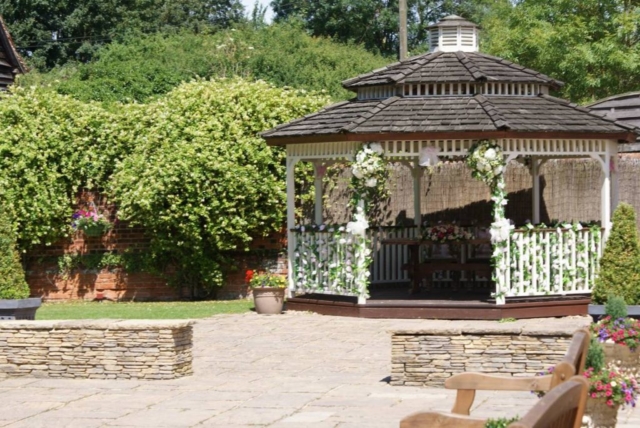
(623, 108)
(441, 67)
(443, 115)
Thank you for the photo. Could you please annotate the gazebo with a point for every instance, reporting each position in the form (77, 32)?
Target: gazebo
(452, 102)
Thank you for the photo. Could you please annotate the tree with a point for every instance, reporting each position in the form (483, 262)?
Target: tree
(591, 45)
(52, 32)
(374, 23)
(620, 264)
(143, 68)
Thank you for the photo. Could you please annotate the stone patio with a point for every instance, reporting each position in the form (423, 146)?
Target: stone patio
(292, 370)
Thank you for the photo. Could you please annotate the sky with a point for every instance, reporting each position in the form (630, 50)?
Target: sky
(248, 6)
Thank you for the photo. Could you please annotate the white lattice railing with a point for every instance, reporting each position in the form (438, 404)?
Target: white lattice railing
(553, 261)
(389, 259)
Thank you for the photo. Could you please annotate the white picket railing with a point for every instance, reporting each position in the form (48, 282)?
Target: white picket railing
(541, 261)
(553, 261)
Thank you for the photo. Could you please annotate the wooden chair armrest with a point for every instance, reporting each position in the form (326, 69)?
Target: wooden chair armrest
(440, 420)
(487, 382)
(468, 383)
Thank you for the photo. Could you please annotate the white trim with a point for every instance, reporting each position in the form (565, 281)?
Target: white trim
(291, 221)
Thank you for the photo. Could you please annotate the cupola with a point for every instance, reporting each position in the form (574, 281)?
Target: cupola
(453, 33)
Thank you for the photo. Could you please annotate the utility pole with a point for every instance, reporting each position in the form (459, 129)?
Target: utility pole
(403, 29)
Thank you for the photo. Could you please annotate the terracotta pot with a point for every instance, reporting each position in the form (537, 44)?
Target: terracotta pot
(268, 301)
(627, 360)
(598, 415)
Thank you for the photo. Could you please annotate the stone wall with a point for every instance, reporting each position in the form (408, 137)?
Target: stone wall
(102, 349)
(427, 357)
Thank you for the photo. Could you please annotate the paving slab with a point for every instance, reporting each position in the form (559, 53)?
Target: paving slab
(292, 370)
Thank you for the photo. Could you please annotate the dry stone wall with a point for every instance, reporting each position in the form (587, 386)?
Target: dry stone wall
(103, 349)
(428, 357)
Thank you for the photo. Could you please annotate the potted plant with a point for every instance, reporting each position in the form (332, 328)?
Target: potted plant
(90, 222)
(268, 291)
(14, 291)
(609, 389)
(619, 335)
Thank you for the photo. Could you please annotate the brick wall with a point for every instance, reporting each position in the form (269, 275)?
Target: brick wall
(46, 281)
(102, 349)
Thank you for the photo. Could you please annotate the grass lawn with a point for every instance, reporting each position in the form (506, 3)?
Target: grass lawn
(140, 310)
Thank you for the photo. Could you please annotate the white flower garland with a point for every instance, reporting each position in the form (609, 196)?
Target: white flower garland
(487, 164)
(370, 173)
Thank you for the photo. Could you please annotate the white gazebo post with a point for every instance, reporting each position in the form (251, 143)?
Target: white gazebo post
(318, 170)
(416, 172)
(535, 189)
(291, 221)
(615, 176)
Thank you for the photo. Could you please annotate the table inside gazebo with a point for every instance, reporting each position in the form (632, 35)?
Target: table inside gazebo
(456, 264)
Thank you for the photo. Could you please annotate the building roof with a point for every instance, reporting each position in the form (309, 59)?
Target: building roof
(437, 67)
(11, 63)
(624, 108)
(453, 21)
(399, 115)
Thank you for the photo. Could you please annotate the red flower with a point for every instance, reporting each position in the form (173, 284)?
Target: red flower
(248, 276)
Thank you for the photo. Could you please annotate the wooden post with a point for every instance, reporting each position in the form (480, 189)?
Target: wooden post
(291, 221)
(403, 29)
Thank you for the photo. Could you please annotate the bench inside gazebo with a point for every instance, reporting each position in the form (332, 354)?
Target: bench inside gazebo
(458, 104)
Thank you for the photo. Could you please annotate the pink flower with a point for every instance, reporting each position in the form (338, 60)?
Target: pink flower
(594, 395)
(610, 403)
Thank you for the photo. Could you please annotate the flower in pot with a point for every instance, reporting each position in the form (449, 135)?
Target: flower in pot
(90, 222)
(609, 389)
(268, 291)
(620, 335)
(14, 291)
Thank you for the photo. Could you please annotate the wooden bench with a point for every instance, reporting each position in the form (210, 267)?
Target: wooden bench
(562, 407)
(468, 383)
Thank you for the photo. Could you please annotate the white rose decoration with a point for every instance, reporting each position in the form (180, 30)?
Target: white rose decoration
(490, 154)
(371, 182)
(358, 227)
(357, 173)
(376, 148)
(497, 170)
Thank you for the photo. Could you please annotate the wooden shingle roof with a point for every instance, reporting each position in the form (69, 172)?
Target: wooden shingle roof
(464, 67)
(11, 63)
(624, 108)
(462, 115)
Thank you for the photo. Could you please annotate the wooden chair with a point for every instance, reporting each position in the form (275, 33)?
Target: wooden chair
(468, 383)
(562, 407)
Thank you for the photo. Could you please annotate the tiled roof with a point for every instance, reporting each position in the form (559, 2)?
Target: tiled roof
(450, 114)
(624, 108)
(437, 67)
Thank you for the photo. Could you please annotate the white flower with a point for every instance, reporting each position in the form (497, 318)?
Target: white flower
(613, 383)
(371, 182)
(359, 226)
(356, 172)
(428, 156)
(500, 230)
(343, 241)
(490, 154)
(361, 157)
(376, 148)
(480, 165)
(497, 170)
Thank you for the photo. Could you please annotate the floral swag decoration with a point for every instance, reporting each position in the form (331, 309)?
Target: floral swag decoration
(370, 174)
(444, 233)
(486, 161)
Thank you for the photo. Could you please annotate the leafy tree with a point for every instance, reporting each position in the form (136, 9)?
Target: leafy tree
(143, 68)
(374, 23)
(12, 280)
(201, 180)
(52, 32)
(592, 45)
(620, 264)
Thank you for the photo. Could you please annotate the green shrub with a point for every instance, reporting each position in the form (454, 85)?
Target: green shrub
(615, 307)
(620, 264)
(12, 281)
(500, 422)
(200, 180)
(595, 355)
